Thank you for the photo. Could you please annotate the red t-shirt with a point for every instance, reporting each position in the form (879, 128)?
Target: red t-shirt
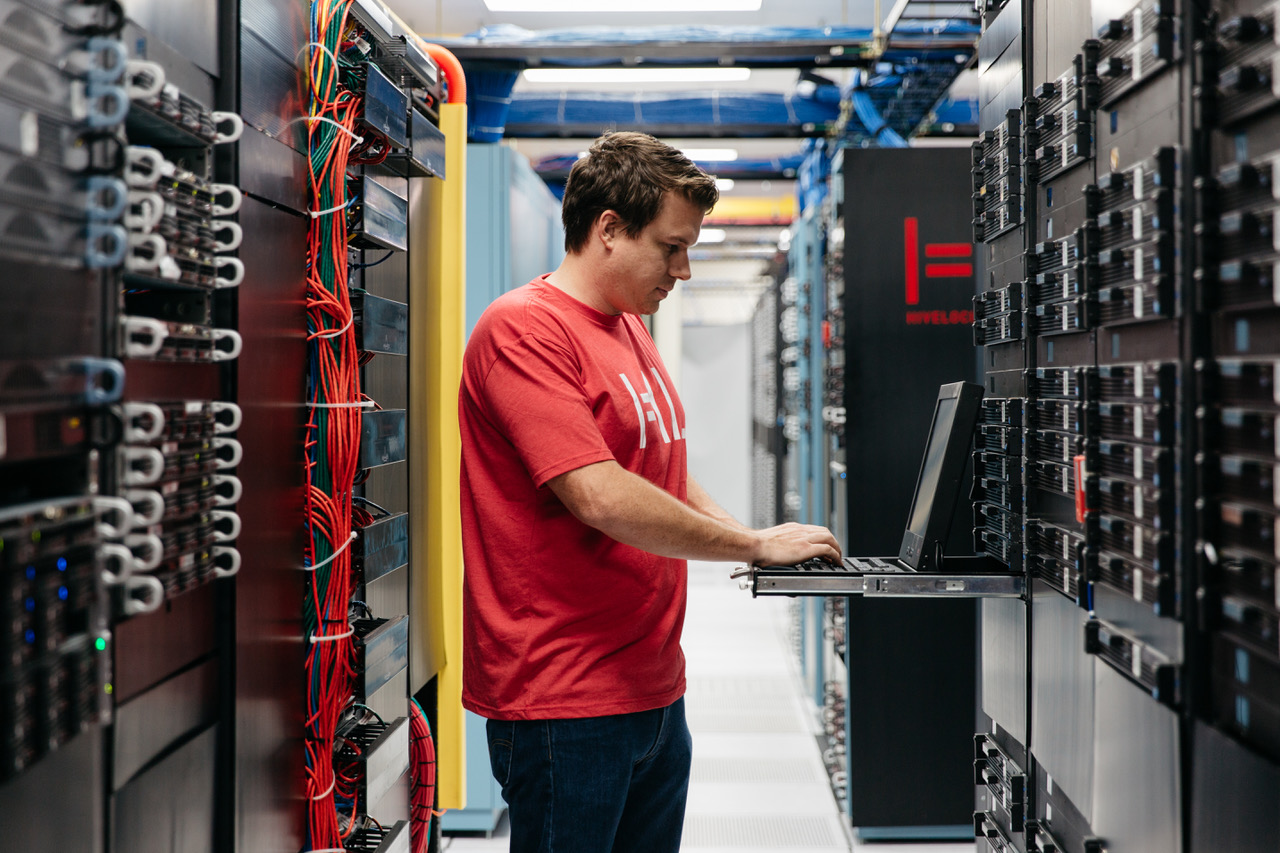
(559, 620)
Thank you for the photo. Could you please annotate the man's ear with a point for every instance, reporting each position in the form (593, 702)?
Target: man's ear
(609, 227)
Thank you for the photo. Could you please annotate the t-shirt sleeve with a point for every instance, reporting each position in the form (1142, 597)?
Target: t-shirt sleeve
(534, 394)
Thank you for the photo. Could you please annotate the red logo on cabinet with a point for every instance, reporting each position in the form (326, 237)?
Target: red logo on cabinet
(948, 266)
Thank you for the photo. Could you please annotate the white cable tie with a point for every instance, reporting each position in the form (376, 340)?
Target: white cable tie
(329, 638)
(359, 139)
(339, 331)
(363, 404)
(316, 214)
(326, 793)
(320, 45)
(329, 559)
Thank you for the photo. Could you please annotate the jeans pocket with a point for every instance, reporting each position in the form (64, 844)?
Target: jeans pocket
(501, 735)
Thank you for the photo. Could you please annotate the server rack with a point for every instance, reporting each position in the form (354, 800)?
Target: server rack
(156, 208)
(890, 327)
(1126, 338)
(1125, 314)
(899, 326)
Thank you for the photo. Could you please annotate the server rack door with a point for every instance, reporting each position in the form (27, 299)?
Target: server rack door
(908, 285)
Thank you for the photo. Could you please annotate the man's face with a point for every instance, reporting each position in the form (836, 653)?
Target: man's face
(644, 269)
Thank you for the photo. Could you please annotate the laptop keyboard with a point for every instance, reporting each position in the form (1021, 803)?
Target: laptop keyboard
(849, 564)
(816, 566)
(873, 565)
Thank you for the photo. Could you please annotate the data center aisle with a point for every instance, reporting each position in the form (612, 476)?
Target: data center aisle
(758, 780)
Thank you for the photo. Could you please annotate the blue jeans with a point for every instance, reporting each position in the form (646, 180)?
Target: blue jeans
(594, 785)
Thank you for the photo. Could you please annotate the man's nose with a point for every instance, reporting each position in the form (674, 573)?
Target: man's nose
(680, 265)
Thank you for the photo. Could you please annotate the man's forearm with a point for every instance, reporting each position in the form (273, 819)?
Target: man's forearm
(633, 511)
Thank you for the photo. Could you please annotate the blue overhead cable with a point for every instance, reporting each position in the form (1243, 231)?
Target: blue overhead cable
(488, 102)
(870, 117)
(747, 113)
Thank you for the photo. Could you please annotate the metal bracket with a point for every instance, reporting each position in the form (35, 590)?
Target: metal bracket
(779, 580)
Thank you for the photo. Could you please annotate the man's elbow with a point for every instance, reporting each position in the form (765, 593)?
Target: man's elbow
(589, 495)
(592, 512)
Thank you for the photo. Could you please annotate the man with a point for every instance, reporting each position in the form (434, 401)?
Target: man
(578, 516)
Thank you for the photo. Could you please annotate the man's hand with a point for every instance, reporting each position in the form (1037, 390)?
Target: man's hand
(792, 543)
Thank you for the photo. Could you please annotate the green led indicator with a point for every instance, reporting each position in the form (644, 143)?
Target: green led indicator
(35, 536)
(100, 644)
(108, 688)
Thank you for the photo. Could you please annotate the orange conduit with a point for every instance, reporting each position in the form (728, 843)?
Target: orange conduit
(452, 68)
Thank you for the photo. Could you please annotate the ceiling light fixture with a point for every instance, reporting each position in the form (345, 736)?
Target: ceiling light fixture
(724, 184)
(623, 6)
(711, 235)
(706, 155)
(587, 76)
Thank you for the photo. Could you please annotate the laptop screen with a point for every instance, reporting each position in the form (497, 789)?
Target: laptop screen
(943, 418)
(938, 487)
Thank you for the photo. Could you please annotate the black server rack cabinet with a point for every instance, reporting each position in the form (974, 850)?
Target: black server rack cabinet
(120, 496)
(1131, 349)
(62, 523)
(330, 760)
(1235, 694)
(900, 318)
(999, 214)
(266, 768)
(156, 207)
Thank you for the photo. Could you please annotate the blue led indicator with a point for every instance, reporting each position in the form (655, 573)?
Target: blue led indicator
(62, 593)
(30, 637)
(31, 573)
(31, 605)
(62, 564)
(1242, 666)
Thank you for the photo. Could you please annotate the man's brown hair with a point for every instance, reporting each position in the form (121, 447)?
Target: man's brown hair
(629, 173)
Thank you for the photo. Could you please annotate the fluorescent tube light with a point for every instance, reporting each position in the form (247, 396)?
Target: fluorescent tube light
(724, 184)
(623, 6)
(704, 155)
(585, 76)
(711, 235)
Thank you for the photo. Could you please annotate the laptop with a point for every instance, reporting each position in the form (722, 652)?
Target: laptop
(920, 567)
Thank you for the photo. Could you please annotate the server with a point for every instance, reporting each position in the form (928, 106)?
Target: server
(1123, 306)
(900, 327)
(169, 410)
(1124, 462)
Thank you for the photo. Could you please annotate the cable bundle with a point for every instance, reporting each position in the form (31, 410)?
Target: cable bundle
(333, 429)
(422, 767)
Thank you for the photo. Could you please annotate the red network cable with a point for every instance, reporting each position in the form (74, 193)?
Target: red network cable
(422, 767)
(333, 430)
